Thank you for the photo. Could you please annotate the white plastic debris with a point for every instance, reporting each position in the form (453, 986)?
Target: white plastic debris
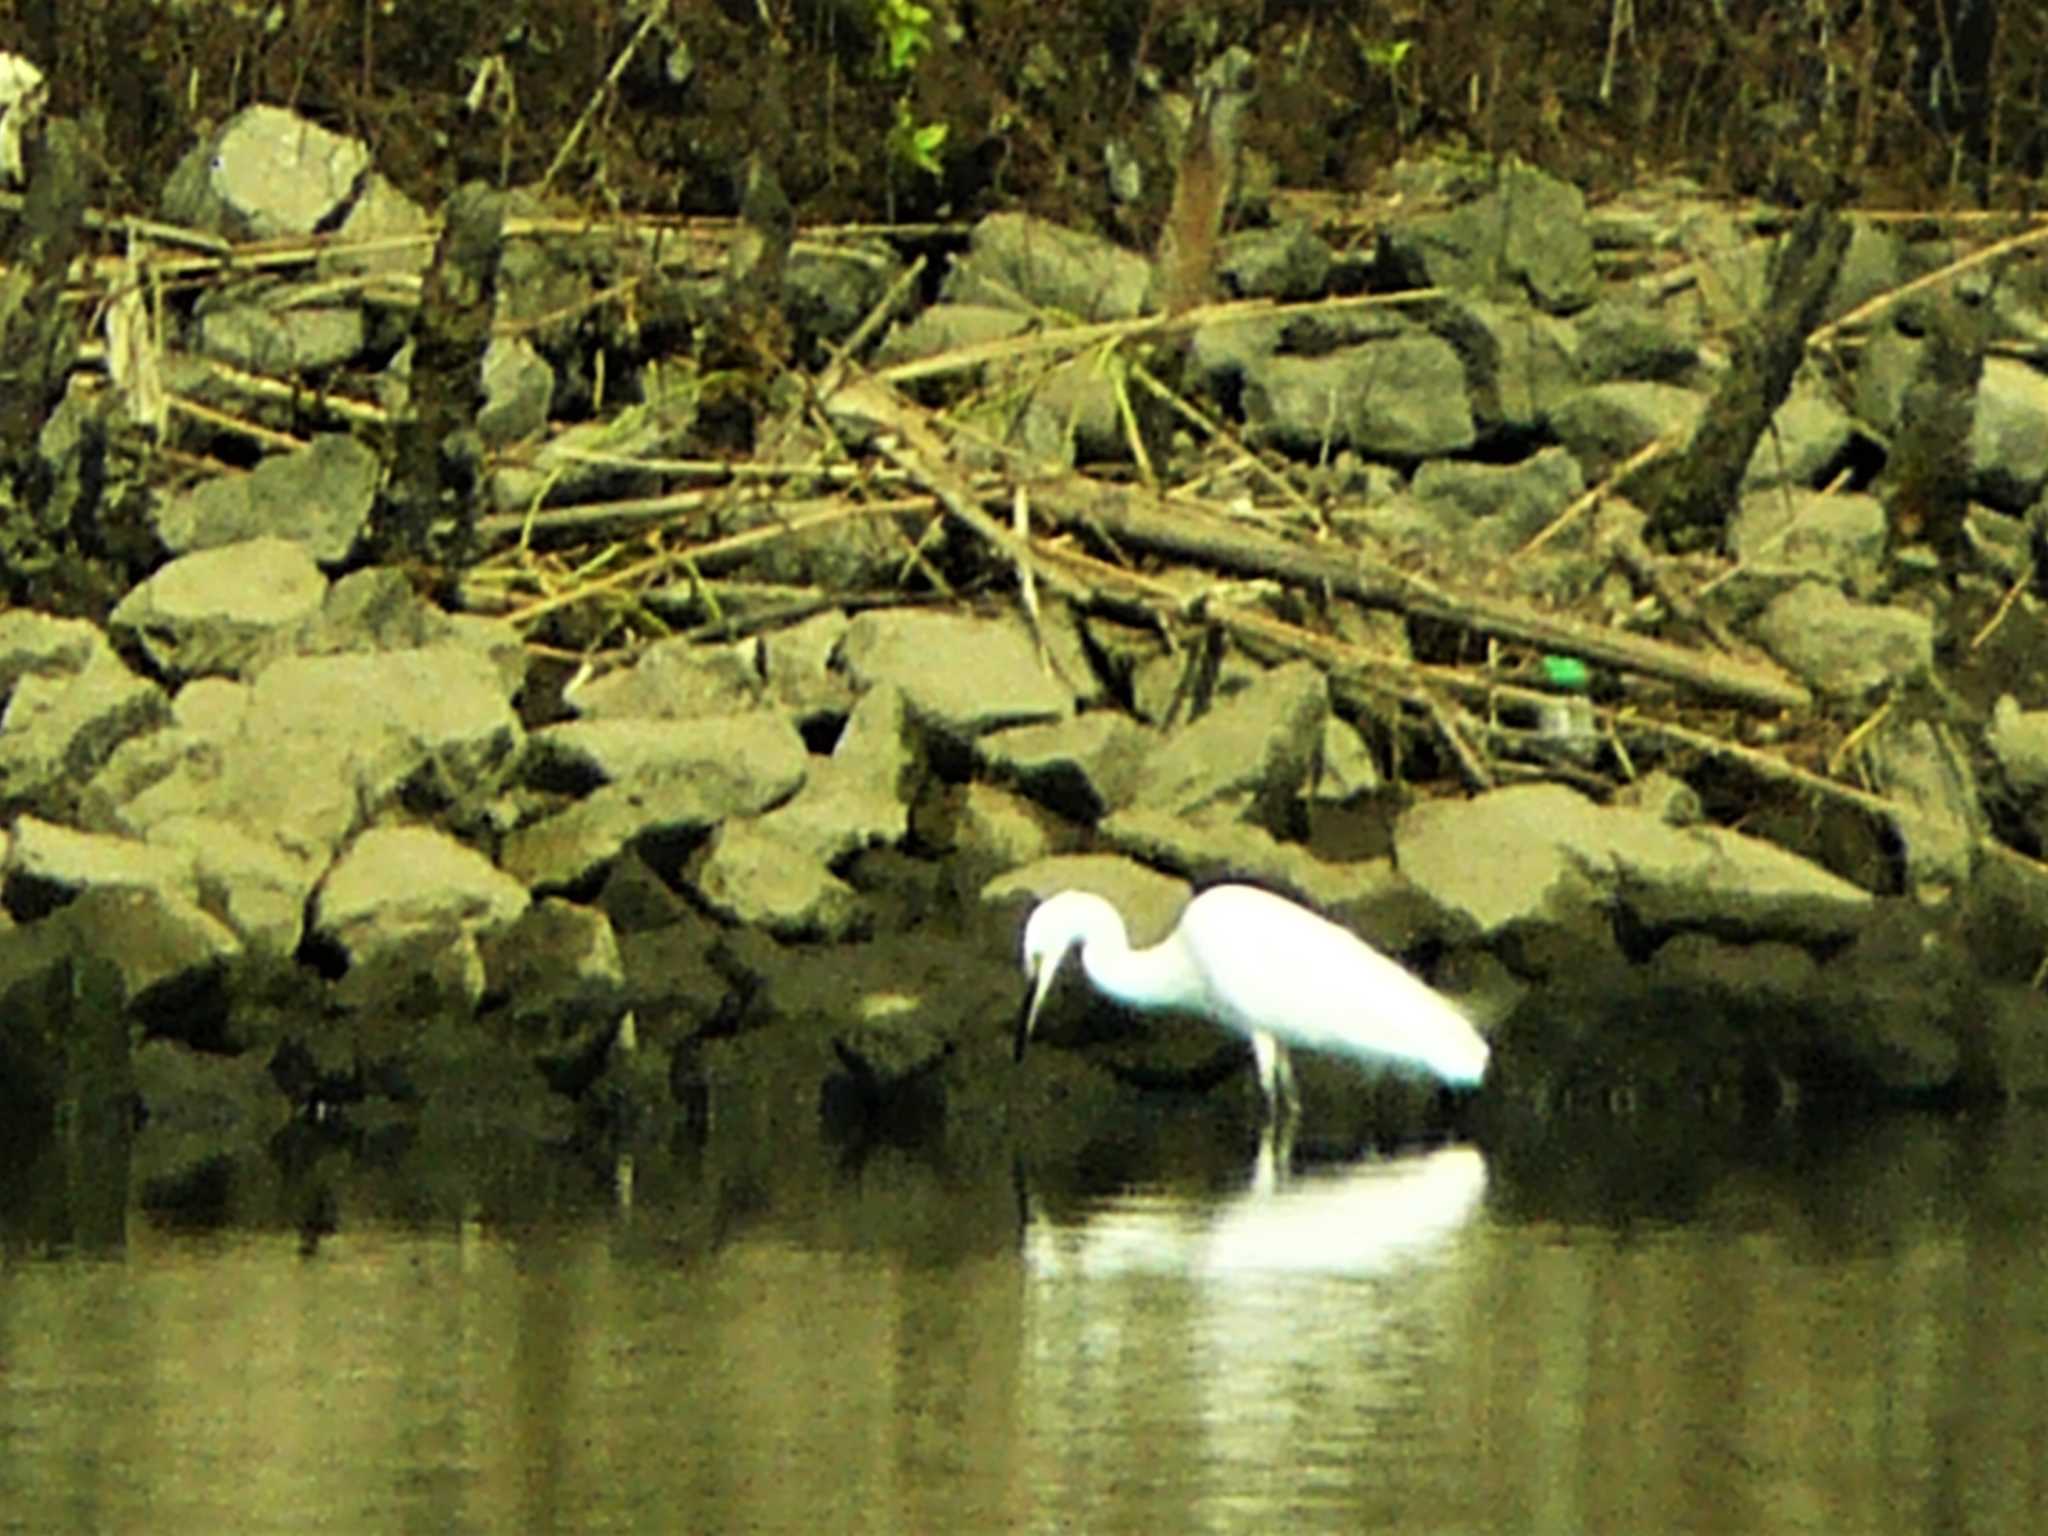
(23, 93)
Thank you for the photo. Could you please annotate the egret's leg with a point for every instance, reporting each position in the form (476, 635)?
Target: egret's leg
(1276, 1077)
(1290, 1096)
(1266, 1057)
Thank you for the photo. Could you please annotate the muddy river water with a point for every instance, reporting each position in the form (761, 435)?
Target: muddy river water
(1628, 1326)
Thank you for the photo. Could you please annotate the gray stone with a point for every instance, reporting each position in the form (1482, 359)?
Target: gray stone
(1150, 902)
(961, 675)
(59, 730)
(738, 766)
(1071, 415)
(275, 174)
(859, 797)
(752, 876)
(49, 864)
(33, 643)
(519, 390)
(1845, 649)
(1808, 437)
(254, 884)
(1839, 538)
(1531, 874)
(1257, 746)
(1288, 261)
(1081, 767)
(1013, 256)
(798, 664)
(283, 342)
(676, 680)
(1509, 503)
(987, 830)
(1206, 850)
(217, 610)
(1920, 768)
(1604, 424)
(1525, 237)
(1622, 337)
(325, 742)
(1519, 364)
(1553, 860)
(2019, 740)
(319, 497)
(1402, 398)
(2009, 435)
(395, 881)
(944, 327)
(386, 233)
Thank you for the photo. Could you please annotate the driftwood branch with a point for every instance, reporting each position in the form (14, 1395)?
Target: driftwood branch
(1189, 533)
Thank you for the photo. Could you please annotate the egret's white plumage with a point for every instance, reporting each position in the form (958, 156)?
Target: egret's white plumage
(1261, 965)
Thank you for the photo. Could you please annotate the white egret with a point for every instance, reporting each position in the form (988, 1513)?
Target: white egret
(1257, 963)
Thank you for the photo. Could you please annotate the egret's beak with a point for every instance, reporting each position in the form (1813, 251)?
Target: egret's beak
(1038, 978)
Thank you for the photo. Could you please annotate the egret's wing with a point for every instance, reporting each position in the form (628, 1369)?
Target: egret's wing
(1278, 967)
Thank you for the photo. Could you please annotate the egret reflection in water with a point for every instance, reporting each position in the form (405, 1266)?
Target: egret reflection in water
(1370, 1218)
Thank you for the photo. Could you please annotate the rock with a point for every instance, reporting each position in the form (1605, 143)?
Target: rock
(1845, 649)
(1082, 768)
(1531, 874)
(1788, 536)
(255, 884)
(1149, 901)
(1555, 861)
(48, 866)
(960, 675)
(1072, 415)
(676, 680)
(268, 173)
(1403, 398)
(1939, 818)
(319, 497)
(1524, 237)
(1287, 261)
(216, 611)
(60, 729)
(945, 327)
(1519, 364)
(2009, 435)
(555, 969)
(1809, 437)
(279, 341)
(1257, 745)
(1602, 425)
(1720, 881)
(172, 958)
(1506, 505)
(753, 877)
(2019, 740)
(393, 881)
(860, 796)
(798, 664)
(986, 829)
(738, 765)
(1208, 850)
(1345, 768)
(1013, 255)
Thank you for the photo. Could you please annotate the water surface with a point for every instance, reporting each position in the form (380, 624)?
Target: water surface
(1628, 1326)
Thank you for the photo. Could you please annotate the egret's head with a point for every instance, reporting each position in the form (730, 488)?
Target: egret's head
(1058, 925)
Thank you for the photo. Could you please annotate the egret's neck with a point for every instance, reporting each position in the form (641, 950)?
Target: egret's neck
(1159, 977)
